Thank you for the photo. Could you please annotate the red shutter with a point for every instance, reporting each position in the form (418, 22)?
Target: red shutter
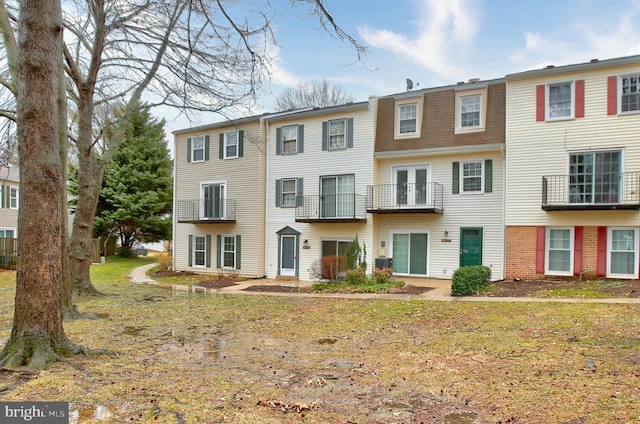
(540, 103)
(602, 251)
(577, 250)
(612, 95)
(542, 232)
(580, 99)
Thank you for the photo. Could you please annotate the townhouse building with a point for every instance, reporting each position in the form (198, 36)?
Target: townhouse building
(219, 198)
(9, 201)
(319, 163)
(438, 189)
(573, 170)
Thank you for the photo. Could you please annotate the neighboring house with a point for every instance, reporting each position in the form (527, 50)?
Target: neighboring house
(219, 198)
(9, 200)
(573, 170)
(437, 198)
(319, 163)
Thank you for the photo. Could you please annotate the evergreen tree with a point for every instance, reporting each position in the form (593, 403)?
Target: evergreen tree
(136, 197)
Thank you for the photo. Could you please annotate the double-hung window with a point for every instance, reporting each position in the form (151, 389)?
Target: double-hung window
(630, 93)
(229, 252)
(408, 118)
(622, 247)
(471, 175)
(199, 251)
(289, 192)
(337, 134)
(559, 250)
(290, 139)
(560, 104)
(595, 177)
(197, 149)
(230, 145)
(470, 107)
(13, 197)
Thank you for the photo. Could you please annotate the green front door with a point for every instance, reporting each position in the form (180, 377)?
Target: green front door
(470, 246)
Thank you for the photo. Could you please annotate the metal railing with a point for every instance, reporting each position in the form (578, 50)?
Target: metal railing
(405, 196)
(591, 190)
(331, 207)
(206, 210)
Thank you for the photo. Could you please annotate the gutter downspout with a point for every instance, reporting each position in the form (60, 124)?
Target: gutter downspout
(266, 196)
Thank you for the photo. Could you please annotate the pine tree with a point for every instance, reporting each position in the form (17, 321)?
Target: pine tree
(135, 200)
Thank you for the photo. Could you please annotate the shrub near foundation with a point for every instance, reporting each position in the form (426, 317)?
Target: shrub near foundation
(470, 279)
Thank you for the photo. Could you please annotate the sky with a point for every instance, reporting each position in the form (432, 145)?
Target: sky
(436, 43)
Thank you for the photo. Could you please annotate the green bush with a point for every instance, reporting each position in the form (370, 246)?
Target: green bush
(126, 252)
(470, 279)
(357, 277)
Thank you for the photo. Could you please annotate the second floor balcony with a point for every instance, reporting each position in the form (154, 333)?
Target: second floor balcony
(591, 191)
(206, 211)
(405, 198)
(331, 208)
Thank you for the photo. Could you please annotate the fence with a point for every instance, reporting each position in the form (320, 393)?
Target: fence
(8, 253)
(102, 246)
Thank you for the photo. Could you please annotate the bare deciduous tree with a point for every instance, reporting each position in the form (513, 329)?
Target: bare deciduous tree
(312, 94)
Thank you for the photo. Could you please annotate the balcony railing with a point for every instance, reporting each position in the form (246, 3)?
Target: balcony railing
(405, 198)
(331, 208)
(206, 211)
(591, 192)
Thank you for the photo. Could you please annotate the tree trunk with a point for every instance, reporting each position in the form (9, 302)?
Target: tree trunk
(37, 336)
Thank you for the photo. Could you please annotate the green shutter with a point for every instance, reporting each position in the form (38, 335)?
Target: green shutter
(190, 249)
(300, 138)
(189, 149)
(240, 143)
(218, 251)
(299, 193)
(350, 133)
(325, 136)
(488, 175)
(207, 252)
(221, 147)
(456, 178)
(206, 147)
(278, 193)
(238, 249)
(279, 141)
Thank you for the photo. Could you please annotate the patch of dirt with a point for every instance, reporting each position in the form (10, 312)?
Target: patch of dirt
(407, 289)
(529, 288)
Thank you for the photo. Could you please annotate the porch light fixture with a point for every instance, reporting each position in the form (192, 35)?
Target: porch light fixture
(446, 233)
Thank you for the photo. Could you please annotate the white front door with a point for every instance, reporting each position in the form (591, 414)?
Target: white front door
(288, 255)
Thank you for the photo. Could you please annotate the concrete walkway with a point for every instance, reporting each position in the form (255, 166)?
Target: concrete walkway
(441, 290)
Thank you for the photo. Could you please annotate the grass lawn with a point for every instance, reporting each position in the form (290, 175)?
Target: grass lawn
(200, 358)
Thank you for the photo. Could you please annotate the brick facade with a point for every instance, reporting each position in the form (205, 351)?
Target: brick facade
(438, 122)
(521, 253)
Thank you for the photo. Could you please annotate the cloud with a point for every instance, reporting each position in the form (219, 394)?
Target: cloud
(442, 27)
(279, 74)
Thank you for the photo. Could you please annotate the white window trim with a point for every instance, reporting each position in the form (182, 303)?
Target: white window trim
(235, 251)
(635, 258)
(344, 142)
(461, 179)
(282, 193)
(547, 244)
(193, 148)
(193, 251)
(393, 232)
(619, 94)
(224, 147)
(283, 140)
(17, 197)
(482, 92)
(547, 99)
(419, 101)
(5, 229)
(208, 183)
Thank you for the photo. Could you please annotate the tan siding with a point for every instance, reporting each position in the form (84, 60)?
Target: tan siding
(245, 181)
(536, 149)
